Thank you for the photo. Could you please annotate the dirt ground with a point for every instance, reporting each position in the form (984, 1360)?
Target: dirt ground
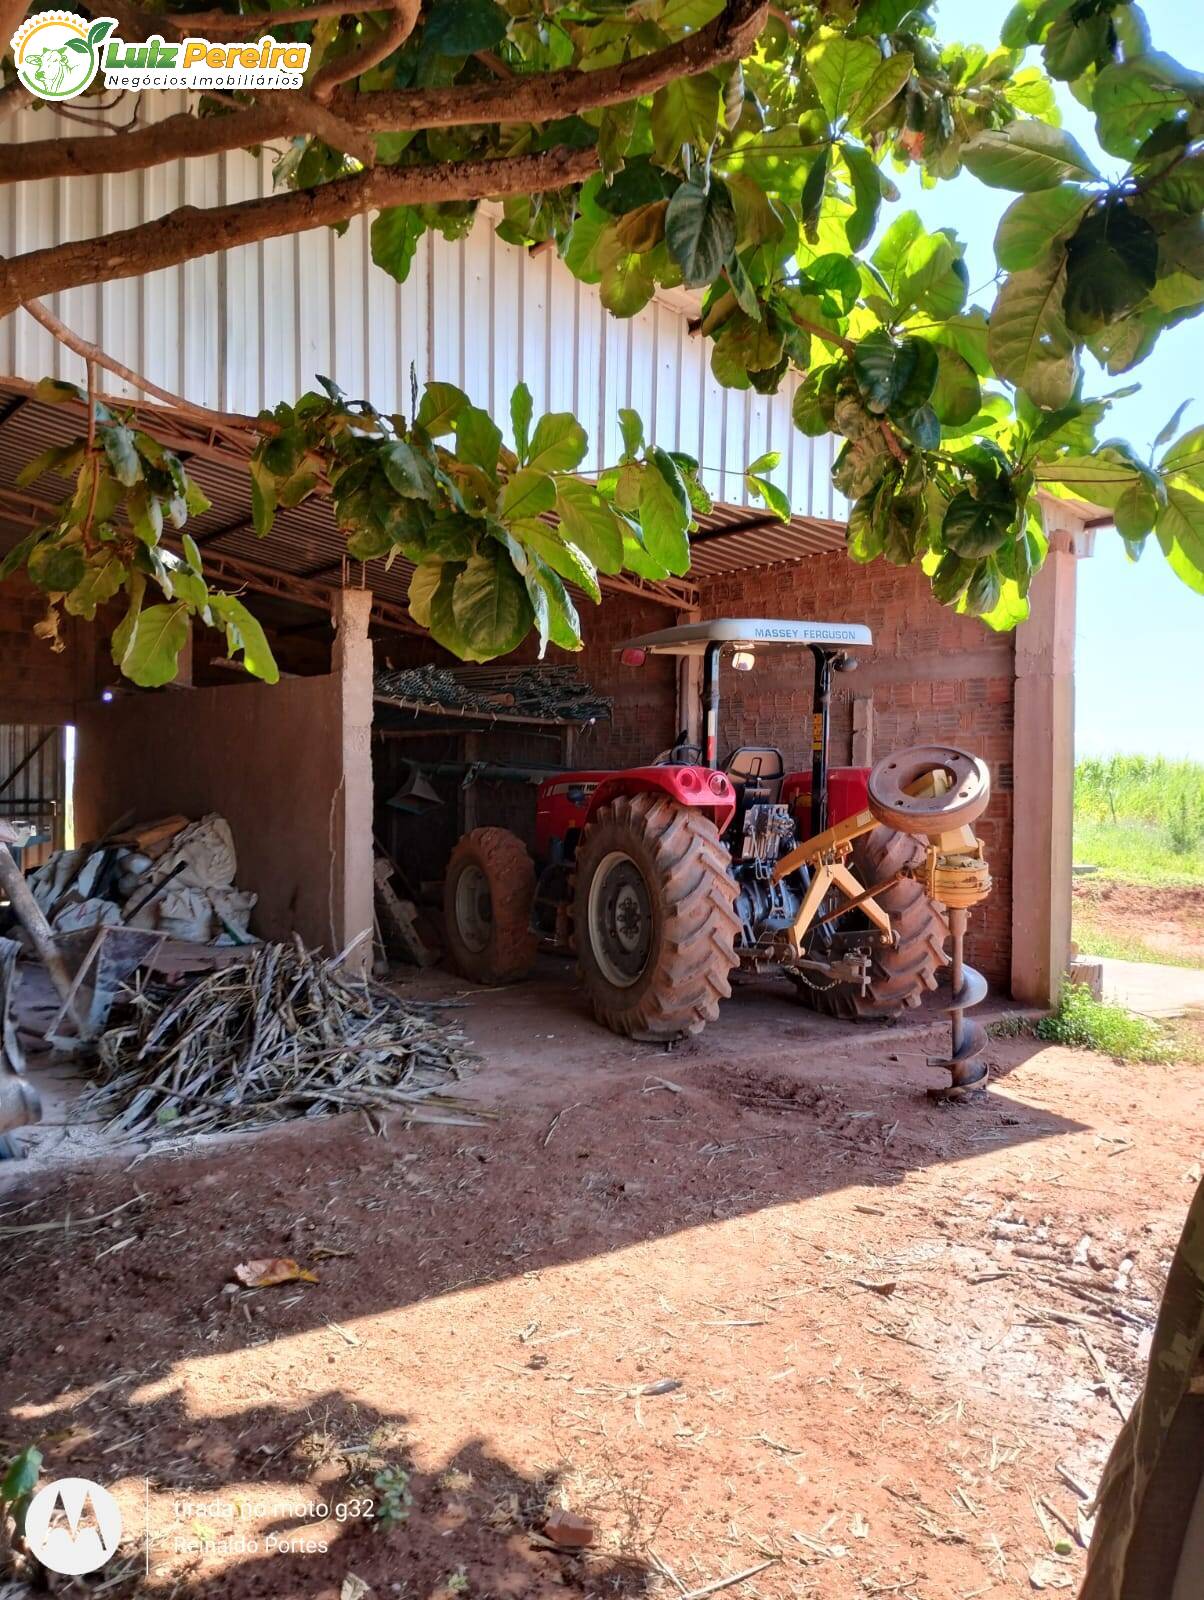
(1169, 921)
(752, 1305)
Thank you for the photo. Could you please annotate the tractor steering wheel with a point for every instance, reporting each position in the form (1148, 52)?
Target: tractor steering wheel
(681, 753)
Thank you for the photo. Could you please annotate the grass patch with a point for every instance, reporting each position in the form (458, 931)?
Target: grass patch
(1135, 852)
(1140, 819)
(1093, 939)
(1083, 1023)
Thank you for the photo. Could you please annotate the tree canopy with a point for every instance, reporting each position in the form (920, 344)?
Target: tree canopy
(743, 151)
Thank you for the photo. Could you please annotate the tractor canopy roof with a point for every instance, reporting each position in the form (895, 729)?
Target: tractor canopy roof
(760, 633)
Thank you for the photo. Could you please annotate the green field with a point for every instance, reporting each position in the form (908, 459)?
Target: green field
(1141, 821)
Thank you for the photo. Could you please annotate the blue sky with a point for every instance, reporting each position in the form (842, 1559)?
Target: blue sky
(1140, 642)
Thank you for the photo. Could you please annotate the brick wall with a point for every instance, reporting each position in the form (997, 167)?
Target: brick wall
(931, 675)
(37, 683)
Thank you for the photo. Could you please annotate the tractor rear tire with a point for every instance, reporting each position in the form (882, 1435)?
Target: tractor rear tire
(654, 917)
(900, 975)
(487, 896)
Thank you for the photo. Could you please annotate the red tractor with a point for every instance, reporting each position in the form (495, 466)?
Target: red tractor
(664, 879)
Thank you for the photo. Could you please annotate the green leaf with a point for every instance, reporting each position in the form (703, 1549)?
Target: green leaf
(1168, 431)
(952, 575)
(263, 498)
(769, 492)
(563, 624)
(1029, 342)
(562, 555)
(478, 439)
(21, 1475)
(490, 604)
(19, 554)
(441, 404)
(56, 567)
(529, 493)
(643, 229)
(462, 27)
(521, 411)
(887, 81)
(443, 626)
(1186, 454)
(145, 511)
(55, 392)
(841, 69)
(975, 528)
(1136, 510)
(424, 580)
(589, 522)
(407, 469)
(559, 443)
(700, 231)
(1027, 155)
(1132, 98)
(684, 112)
(1180, 532)
(105, 574)
(983, 591)
(867, 194)
(814, 189)
(54, 457)
(665, 513)
(626, 286)
(894, 375)
(632, 429)
(1035, 224)
(957, 396)
(394, 240)
(119, 447)
(244, 632)
(1073, 44)
(152, 656)
(1111, 265)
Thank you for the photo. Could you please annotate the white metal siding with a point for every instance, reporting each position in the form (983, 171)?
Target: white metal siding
(245, 330)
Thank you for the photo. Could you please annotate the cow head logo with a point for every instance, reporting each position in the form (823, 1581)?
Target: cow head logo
(57, 54)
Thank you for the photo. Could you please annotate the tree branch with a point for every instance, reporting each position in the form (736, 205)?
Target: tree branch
(534, 97)
(547, 96)
(188, 233)
(402, 20)
(95, 356)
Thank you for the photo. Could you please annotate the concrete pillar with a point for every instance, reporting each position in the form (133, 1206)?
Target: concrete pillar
(1043, 765)
(351, 815)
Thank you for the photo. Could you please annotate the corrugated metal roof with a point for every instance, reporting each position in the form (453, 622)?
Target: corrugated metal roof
(252, 326)
(305, 547)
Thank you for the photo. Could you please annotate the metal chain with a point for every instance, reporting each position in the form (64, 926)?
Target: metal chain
(799, 976)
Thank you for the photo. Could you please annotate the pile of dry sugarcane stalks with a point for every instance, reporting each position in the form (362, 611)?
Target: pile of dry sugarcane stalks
(282, 1033)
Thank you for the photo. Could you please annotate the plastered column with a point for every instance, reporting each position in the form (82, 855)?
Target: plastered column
(1043, 762)
(351, 819)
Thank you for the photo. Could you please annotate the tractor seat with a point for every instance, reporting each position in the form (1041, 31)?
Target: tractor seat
(756, 772)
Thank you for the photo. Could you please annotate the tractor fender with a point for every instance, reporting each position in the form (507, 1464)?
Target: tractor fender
(701, 788)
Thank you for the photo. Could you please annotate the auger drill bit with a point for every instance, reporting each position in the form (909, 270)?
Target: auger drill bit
(968, 1038)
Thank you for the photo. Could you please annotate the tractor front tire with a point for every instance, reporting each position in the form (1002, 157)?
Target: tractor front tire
(654, 917)
(900, 975)
(487, 896)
